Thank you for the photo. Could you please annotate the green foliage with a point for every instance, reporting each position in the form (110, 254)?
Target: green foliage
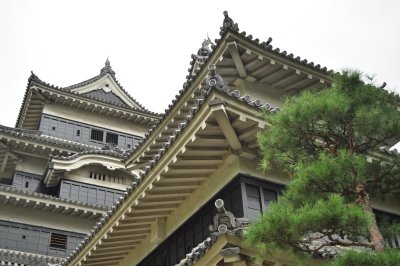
(350, 115)
(286, 226)
(354, 258)
(325, 141)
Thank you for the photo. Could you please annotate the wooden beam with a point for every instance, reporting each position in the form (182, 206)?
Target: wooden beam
(94, 260)
(124, 232)
(249, 132)
(4, 163)
(186, 180)
(225, 124)
(253, 62)
(237, 60)
(276, 73)
(207, 150)
(125, 238)
(293, 75)
(304, 80)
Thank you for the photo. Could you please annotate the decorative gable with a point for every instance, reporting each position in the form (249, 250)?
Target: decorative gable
(105, 88)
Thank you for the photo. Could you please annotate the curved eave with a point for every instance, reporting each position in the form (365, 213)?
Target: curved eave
(38, 94)
(193, 157)
(56, 167)
(246, 60)
(112, 76)
(40, 146)
(20, 258)
(295, 76)
(118, 91)
(41, 202)
(31, 109)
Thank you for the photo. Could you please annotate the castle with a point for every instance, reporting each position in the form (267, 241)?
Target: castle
(91, 177)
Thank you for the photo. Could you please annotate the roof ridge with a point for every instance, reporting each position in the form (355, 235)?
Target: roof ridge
(230, 25)
(36, 79)
(107, 69)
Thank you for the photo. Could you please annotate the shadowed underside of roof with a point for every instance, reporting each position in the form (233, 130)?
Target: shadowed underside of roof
(213, 83)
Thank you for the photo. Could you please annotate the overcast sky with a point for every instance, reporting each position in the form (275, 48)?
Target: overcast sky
(150, 42)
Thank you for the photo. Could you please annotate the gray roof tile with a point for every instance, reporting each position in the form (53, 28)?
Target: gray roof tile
(36, 135)
(18, 258)
(108, 97)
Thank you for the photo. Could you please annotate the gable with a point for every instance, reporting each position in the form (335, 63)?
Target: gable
(106, 89)
(105, 95)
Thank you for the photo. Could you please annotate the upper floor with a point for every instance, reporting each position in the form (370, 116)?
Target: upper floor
(99, 102)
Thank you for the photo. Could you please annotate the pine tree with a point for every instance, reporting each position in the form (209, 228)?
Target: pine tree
(329, 143)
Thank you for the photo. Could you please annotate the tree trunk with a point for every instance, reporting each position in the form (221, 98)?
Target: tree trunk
(376, 237)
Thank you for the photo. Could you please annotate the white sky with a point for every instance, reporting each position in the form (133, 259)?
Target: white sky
(150, 42)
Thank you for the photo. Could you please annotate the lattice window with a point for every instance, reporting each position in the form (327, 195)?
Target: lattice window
(58, 241)
(112, 138)
(106, 177)
(97, 135)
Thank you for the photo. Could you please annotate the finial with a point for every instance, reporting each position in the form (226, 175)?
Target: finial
(107, 69)
(228, 24)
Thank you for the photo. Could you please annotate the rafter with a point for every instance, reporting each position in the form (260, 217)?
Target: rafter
(225, 124)
(237, 60)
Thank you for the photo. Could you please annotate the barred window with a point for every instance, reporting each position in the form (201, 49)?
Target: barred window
(58, 241)
(97, 135)
(112, 138)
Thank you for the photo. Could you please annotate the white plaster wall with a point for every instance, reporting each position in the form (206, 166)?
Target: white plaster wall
(262, 92)
(32, 165)
(82, 175)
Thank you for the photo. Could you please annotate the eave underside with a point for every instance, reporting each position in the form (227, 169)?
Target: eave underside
(207, 145)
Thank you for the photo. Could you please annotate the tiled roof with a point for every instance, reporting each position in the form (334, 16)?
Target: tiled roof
(203, 56)
(107, 150)
(103, 96)
(224, 223)
(214, 81)
(36, 135)
(389, 150)
(36, 79)
(107, 69)
(18, 258)
(5, 188)
(104, 71)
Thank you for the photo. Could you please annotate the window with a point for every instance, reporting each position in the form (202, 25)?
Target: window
(26, 184)
(258, 200)
(78, 132)
(53, 128)
(97, 135)
(112, 138)
(128, 146)
(58, 241)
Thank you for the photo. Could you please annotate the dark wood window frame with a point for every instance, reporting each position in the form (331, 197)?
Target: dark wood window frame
(58, 241)
(96, 135)
(261, 184)
(111, 138)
